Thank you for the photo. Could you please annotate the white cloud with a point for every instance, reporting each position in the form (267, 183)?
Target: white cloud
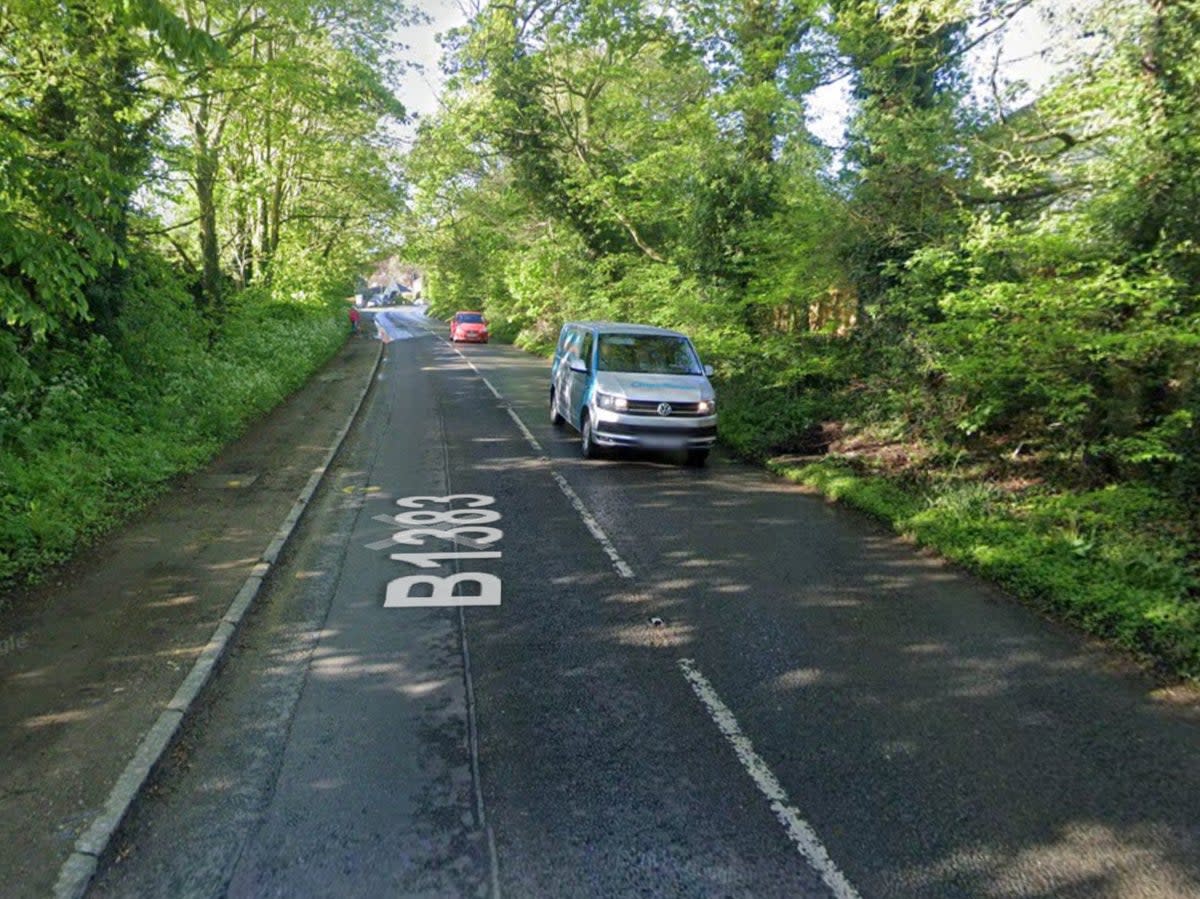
(420, 87)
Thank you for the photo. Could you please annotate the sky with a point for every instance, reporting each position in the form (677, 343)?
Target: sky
(1026, 50)
(419, 89)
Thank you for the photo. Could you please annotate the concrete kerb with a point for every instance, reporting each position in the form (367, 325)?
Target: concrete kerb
(77, 871)
(242, 601)
(153, 745)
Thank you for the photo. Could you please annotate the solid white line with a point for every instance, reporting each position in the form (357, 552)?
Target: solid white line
(798, 829)
(495, 392)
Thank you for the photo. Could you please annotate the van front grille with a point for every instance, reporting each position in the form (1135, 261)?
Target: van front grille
(650, 407)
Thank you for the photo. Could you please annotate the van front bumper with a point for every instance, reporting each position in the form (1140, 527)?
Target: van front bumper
(654, 432)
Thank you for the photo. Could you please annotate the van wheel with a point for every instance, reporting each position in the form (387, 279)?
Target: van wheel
(555, 419)
(587, 445)
(697, 458)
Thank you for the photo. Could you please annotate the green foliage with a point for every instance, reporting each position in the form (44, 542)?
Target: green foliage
(904, 167)
(1054, 321)
(73, 144)
(1115, 561)
(132, 131)
(1049, 350)
(775, 396)
(115, 421)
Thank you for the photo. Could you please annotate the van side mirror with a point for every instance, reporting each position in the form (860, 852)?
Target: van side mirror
(577, 365)
(708, 371)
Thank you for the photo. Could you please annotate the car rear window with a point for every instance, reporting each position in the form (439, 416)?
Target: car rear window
(469, 318)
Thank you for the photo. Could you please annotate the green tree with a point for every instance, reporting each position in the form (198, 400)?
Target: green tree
(283, 146)
(1066, 316)
(905, 155)
(76, 128)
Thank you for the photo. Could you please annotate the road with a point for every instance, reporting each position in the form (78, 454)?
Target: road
(652, 680)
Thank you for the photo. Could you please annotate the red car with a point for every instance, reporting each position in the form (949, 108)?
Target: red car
(469, 326)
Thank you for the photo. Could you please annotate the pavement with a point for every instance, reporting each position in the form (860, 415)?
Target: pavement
(99, 664)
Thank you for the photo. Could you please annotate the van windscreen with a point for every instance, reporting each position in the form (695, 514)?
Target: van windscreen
(657, 354)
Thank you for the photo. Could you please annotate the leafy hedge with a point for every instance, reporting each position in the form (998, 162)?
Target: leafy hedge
(111, 421)
(775, 394)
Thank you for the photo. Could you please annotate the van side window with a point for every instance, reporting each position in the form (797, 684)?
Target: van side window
(570, 347)
(585, 352)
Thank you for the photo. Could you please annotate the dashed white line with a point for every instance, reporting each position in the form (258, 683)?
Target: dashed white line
(620, 564)
(537, 447)
(589, 520)
(798, 830)
(495, 392)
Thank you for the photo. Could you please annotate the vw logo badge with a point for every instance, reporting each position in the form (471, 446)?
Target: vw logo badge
(664, 408)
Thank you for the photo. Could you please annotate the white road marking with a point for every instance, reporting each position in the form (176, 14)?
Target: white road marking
(797, 828)
(423, 521)
(399, 591)
(389, 329)
(537, 447)
(495, 392)
(620, 564)
(589, 521)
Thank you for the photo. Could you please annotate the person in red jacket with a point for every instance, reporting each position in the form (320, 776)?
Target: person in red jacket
(354, 317)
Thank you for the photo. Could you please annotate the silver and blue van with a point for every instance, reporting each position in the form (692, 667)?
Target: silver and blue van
(623, 385)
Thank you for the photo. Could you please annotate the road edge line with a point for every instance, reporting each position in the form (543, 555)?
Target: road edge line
(76, 873)
(799, 831)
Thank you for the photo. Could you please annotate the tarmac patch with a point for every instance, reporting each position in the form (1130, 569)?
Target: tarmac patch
(226, 480)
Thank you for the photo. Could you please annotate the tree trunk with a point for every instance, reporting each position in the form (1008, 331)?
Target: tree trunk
(205, 175)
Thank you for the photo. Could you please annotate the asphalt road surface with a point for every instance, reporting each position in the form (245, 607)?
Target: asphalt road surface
(629, 677)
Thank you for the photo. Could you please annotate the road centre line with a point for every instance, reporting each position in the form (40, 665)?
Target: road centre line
(537, 447)
(802, 835)
(482, 377)
(620, 564)
(589, 520)
(495, 392)
(798, 830)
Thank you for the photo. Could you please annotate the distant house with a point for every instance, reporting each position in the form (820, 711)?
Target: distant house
(393, 281)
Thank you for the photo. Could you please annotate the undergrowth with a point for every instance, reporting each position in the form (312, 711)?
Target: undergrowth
(1114, 561)
(117, 419)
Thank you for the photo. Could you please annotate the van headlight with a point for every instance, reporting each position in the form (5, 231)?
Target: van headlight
(611, 403)
(706, 407)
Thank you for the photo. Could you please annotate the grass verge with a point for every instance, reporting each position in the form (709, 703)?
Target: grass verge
(119, 420)
(1112, 561)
